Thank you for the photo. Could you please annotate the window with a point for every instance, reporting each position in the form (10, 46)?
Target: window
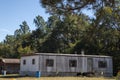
(24, 62)
(72, 63)
(33, 61)
(102, 64)
(49, 62)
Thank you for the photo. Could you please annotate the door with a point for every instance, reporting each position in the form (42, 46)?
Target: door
(89, 65)
(49, 65)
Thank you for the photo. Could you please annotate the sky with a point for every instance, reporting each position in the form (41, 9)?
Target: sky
(14, 12)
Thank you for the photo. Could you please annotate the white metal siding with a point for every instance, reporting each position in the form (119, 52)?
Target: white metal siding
(84, 64)
(108, 69)
(61, 64)
(79, 69)
(29, 66)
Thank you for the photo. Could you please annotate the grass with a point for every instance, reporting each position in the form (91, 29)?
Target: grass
(16, 77)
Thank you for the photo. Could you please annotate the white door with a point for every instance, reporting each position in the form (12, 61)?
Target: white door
(89, 65)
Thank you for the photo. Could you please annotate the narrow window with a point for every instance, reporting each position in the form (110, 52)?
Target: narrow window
(49, 62)
(72, 63)
(33, 61)
(102, 64)
(24, 62)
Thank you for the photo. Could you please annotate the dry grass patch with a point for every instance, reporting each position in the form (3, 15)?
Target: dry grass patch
(57, 78)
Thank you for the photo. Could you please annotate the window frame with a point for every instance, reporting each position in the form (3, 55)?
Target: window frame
(24, 62)
(33, 61)
(49, 62)
(73, 63)
(102, 64)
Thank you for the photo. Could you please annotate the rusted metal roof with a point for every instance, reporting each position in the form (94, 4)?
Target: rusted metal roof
(6, 60)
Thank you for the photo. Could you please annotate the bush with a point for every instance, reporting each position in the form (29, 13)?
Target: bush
(118, 76)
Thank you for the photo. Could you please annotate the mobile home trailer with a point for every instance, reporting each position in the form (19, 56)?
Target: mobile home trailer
(49, 64)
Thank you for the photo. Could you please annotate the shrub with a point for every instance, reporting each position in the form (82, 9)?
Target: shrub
(118, 76)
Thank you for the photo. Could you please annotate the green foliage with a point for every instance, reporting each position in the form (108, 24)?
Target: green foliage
(63, 7)
(118, 76)
(24, 28)
(25, 50)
